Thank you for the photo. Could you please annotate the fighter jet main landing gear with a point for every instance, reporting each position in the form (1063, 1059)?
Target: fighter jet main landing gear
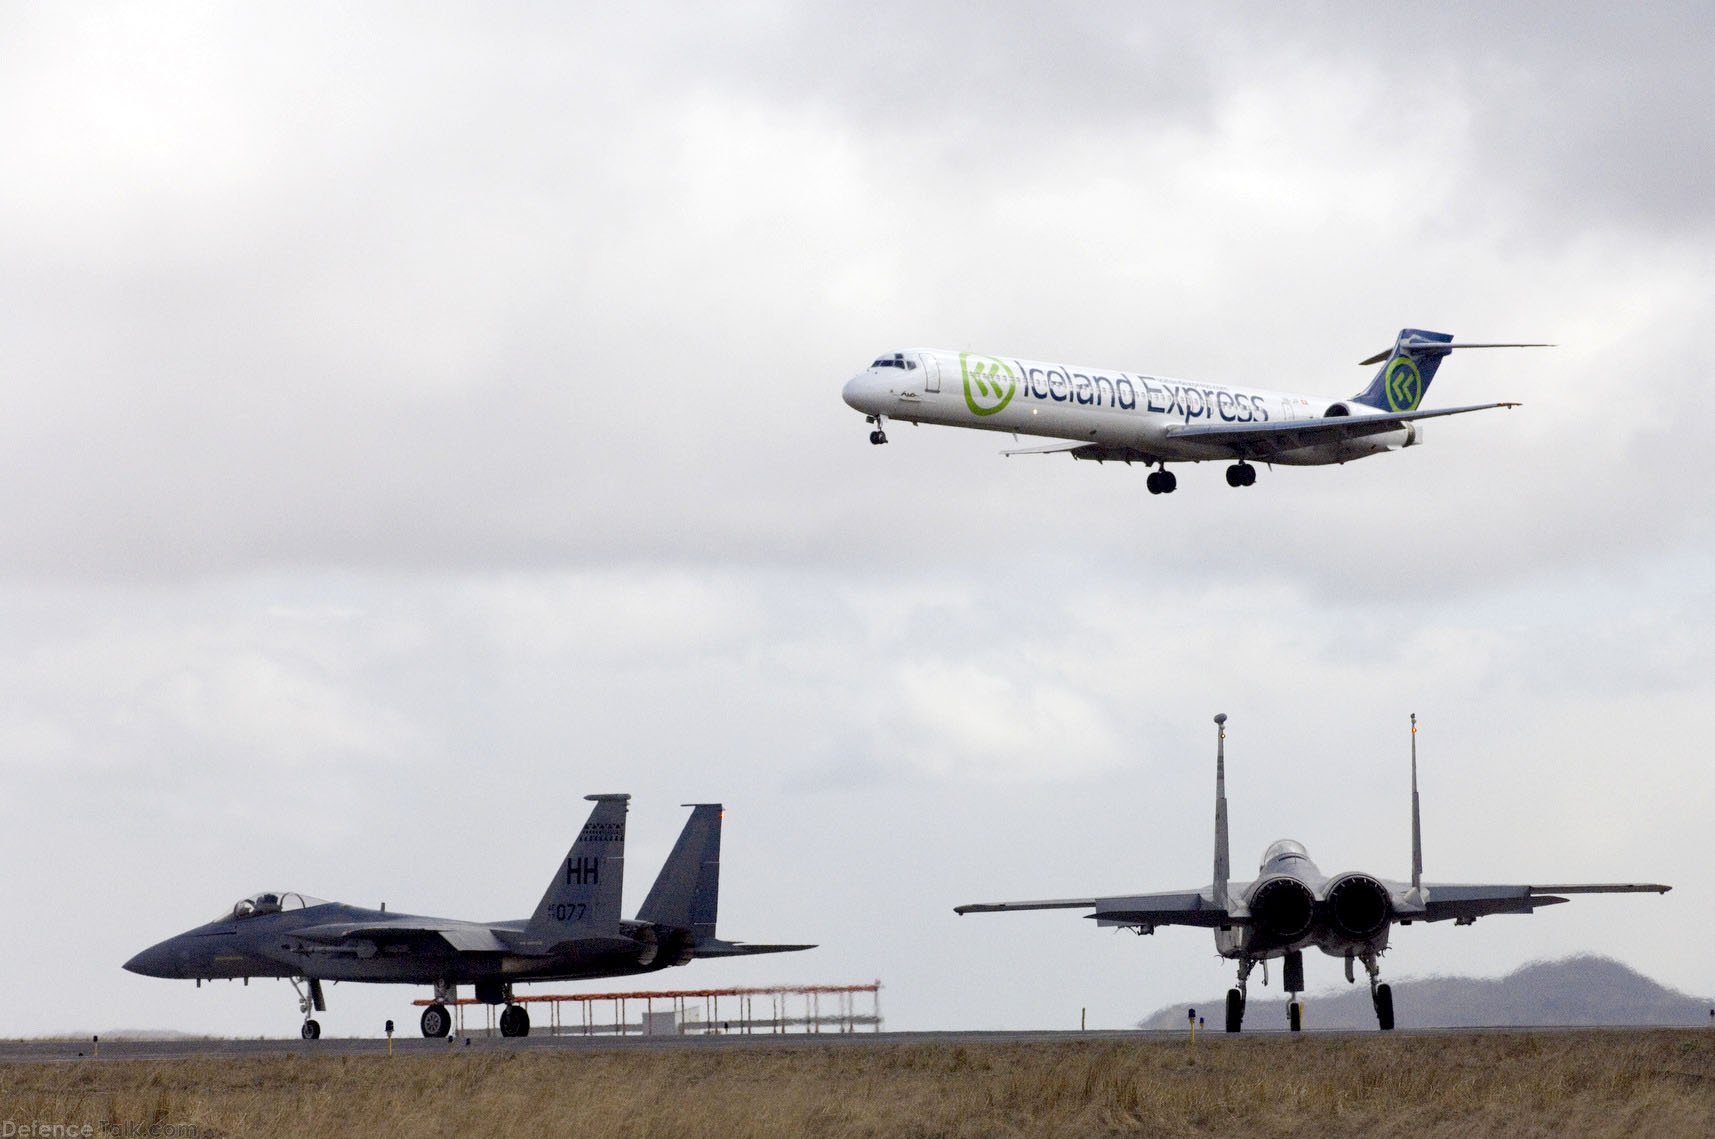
(437, 1021)
(1236, 997)
(514, 1021)
(310, 1002)
(1381, 996)
(1241, 474)
(1162, 481)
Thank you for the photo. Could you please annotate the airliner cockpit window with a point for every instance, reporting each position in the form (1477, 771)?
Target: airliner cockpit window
(897, 360)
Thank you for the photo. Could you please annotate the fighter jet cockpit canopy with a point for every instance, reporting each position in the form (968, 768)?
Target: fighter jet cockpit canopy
(271, 902)
(1284, 848)
(897, 360)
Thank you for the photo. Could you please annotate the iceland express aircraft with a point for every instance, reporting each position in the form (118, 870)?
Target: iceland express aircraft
(1132, 418)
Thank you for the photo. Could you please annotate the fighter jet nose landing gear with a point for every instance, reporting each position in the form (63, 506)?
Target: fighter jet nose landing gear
(1292, 980)
(1163, 481)
(1241, 474)
(310, 1001)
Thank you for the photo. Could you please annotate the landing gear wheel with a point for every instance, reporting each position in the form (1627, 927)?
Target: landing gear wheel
(1241, 474)
(436, 1021)
(1235, 1010)
(878, 437)
(514, 1021)
(1384, 1007)
(1153, 482)
(1169, 482)
(311, 1030)
(1295, 1016)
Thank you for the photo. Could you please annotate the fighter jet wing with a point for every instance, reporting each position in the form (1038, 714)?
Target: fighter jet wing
(467, 937)
(741, 949)
(1259, 439)
(1466, 903)
(1187, 907)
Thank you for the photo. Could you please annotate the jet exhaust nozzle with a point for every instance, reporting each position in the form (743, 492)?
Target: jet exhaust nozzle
(1358, 906)
(1283, 908)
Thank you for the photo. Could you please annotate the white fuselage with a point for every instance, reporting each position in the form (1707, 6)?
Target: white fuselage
(1098, 406)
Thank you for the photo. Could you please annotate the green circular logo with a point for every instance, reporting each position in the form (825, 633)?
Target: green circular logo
(989, 383)
(1403, 384)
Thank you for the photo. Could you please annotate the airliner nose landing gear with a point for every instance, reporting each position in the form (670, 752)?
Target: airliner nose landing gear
(1241, 474)
(879, 435)
(1163, 481)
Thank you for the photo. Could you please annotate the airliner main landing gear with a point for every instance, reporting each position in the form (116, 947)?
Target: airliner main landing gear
(309, 1002)
(1241, 474)
(879, 435)
(1162, 481)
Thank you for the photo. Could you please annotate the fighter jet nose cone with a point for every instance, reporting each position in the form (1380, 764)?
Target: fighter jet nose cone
(152, 962)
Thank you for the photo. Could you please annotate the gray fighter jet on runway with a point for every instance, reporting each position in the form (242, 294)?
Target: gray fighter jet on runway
(576, 931)
(1292, 905)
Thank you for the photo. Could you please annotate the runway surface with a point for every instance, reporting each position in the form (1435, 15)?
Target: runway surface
(52, 1051)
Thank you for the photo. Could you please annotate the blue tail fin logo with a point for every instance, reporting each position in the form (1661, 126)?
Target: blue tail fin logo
(1405, 374)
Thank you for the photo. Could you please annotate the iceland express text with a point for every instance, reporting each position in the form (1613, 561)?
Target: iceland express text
(1129, 392)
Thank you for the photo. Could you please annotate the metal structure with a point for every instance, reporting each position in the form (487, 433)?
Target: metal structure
(698, 1011)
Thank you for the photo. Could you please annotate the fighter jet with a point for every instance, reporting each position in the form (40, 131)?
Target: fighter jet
(576, 931)
(1292, 906)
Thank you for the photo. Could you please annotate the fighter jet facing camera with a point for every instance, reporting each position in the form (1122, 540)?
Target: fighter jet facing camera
(1291, 905)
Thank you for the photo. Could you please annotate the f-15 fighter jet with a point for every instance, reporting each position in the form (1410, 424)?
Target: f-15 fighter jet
(1291, 906)
(576, 931)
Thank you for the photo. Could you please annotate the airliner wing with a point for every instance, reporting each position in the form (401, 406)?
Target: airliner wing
(1054, 450)
(1259, 439)
(1187, 907)
(1465, 904)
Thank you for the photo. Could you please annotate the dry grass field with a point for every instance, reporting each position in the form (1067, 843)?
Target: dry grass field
(1560, 1083)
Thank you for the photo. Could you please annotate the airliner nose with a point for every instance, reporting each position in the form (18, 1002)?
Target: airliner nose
(860, 392)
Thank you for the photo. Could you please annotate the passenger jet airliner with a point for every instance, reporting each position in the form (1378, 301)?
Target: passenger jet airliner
(1133, 418)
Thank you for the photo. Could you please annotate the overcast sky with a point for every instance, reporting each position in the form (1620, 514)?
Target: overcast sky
(416, 417)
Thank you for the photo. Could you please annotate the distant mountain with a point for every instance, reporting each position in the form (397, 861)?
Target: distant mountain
(1585, 990)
